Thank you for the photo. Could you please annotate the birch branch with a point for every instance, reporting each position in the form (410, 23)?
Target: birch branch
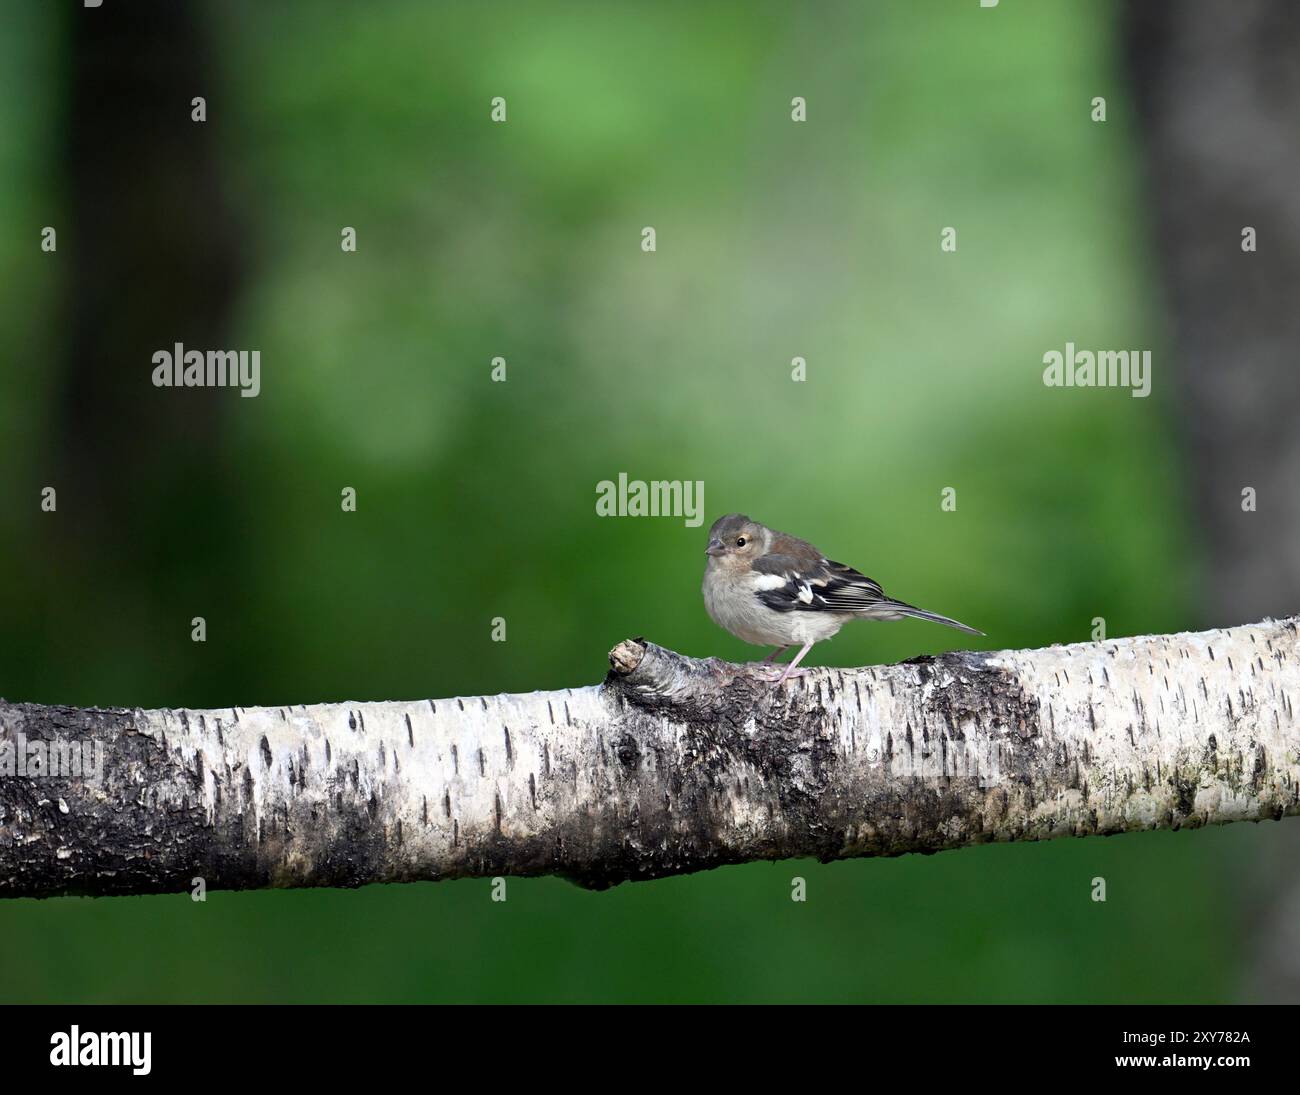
(672, 765)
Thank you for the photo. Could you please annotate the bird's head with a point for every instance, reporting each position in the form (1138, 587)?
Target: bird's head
(734, 539)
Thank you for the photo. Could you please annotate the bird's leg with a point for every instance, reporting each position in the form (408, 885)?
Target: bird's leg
(792, 669)
(775, 654)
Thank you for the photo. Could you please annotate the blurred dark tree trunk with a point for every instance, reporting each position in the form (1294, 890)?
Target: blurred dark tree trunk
(149, 245)
(154, 259)
(1217, 88)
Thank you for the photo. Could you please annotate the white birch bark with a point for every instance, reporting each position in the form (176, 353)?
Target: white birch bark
(671, 765)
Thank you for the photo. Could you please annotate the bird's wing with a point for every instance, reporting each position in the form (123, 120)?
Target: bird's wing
(789, 583)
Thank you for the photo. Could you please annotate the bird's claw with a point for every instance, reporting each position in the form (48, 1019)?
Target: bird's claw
(777, 674)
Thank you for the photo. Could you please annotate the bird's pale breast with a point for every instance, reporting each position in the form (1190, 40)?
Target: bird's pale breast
(733, 604)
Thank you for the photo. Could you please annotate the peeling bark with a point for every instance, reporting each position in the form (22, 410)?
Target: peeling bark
(672, 765)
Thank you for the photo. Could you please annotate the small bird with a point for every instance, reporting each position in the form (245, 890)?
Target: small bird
(772, 589)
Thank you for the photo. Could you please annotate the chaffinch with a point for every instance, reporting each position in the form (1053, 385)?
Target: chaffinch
(771, 589)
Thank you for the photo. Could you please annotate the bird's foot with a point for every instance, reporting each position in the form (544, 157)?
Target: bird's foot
(776, 674)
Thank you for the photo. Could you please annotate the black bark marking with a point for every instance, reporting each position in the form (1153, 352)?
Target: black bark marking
(1184, 792)
(627, 751)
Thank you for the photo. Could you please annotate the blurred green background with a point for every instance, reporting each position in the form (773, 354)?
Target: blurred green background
(476, 499)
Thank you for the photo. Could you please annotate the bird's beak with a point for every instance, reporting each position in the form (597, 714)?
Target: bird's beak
(715, 547)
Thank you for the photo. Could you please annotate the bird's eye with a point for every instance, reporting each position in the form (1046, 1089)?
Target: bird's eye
(740, 541)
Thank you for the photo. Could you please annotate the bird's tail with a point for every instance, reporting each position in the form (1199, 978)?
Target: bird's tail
(904, 609)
